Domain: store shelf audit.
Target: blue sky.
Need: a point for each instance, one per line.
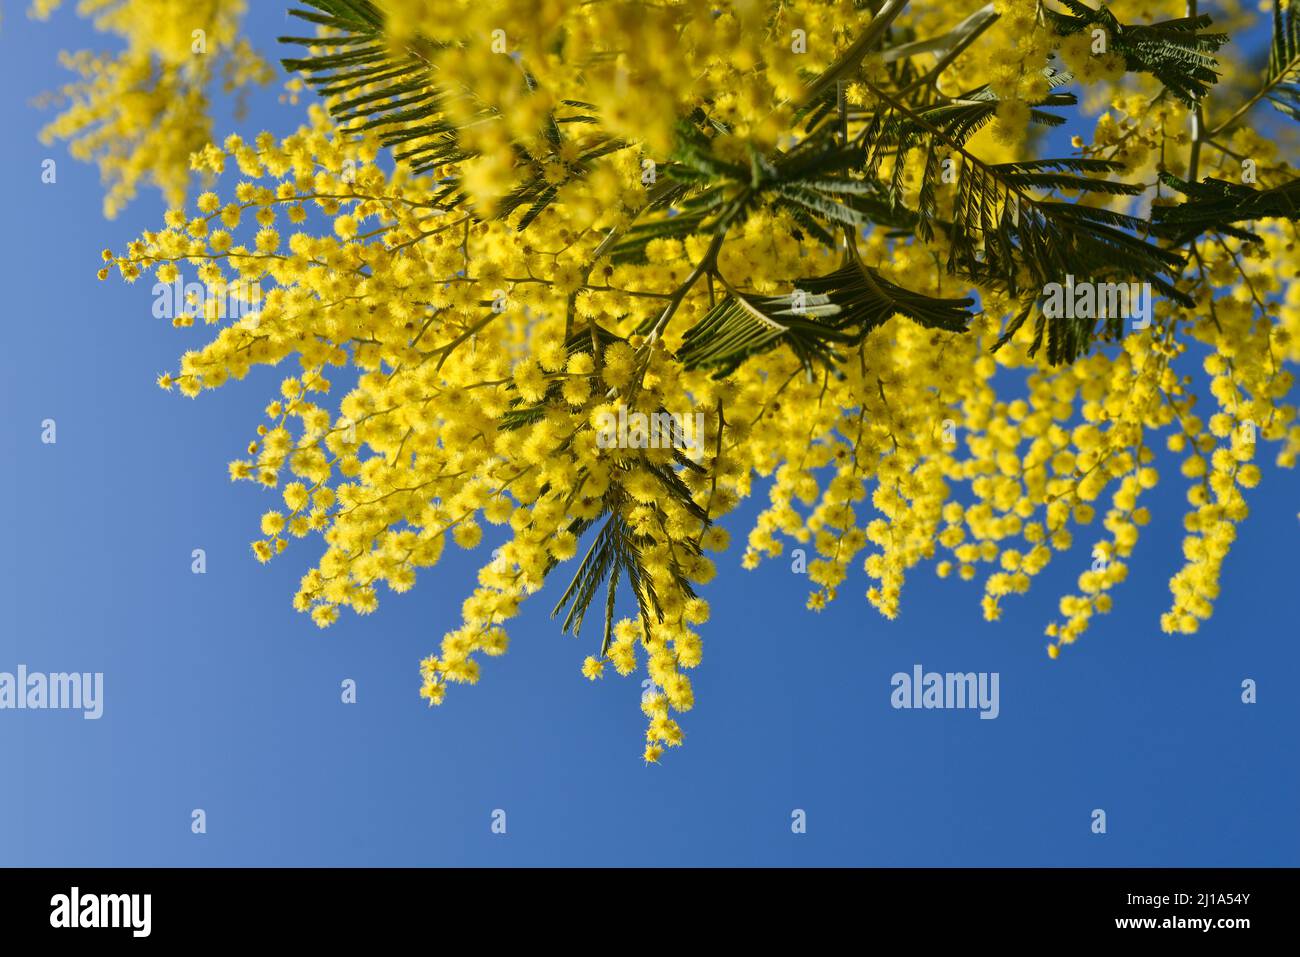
(219, 696)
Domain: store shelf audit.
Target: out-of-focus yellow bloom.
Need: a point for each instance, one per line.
(140, 114)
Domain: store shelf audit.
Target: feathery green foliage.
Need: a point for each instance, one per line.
(1176, 52)
(1282, 82)
(1214, 205)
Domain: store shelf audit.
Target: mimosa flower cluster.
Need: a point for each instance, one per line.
(449, 356)
(141, 113)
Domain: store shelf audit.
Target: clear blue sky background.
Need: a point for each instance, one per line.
(219, 696)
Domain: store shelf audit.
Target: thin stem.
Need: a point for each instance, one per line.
(1197, 120)
(855, 53)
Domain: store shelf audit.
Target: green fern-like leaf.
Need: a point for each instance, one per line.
(1176, 52)
(1282, 82)
(1216, 205)
(1004, 233)
(837, 309)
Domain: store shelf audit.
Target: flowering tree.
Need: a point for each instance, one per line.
(838, 249)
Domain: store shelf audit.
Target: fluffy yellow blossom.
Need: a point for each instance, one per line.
(581, 309)
(142, 114)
